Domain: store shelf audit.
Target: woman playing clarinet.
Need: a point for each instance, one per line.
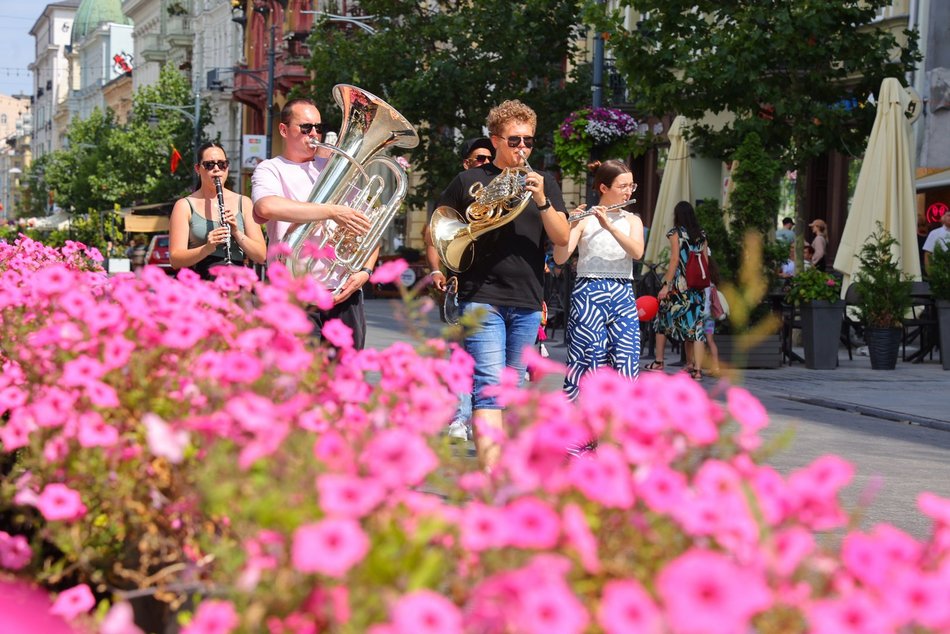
(214, 226)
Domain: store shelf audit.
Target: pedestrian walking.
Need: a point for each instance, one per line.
(681, 316)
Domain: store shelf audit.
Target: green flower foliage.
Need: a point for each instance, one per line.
(813, 285)
(939, 274)
(883, 288)
(608, 132)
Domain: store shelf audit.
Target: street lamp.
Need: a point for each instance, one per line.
(355, 20)
(194, 118)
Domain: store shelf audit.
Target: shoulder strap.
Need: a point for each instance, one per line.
(190, 206)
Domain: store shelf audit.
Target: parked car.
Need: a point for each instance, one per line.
(158, 253)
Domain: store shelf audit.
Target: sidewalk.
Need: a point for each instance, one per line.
(917, 393)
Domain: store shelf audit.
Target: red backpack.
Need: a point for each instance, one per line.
(697, 267)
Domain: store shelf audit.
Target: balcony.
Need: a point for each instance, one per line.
(179, 31)
(152, 48)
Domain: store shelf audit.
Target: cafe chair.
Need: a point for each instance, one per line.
(848, 324)
(921, 325)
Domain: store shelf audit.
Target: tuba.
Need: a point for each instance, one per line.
(496, 204)
(369, 126)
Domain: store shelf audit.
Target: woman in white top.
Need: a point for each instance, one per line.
(603, 325)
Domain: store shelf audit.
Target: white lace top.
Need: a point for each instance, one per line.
(599, 254)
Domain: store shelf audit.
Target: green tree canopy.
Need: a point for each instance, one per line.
(105, 164)
(444, 64)
(796, 72)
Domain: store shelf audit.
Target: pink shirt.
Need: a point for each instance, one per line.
(287, 179)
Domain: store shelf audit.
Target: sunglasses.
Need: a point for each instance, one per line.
(321, 128)
(515, 141)
(222, 165)
(478, 159)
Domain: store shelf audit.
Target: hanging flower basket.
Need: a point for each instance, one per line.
(610, 131)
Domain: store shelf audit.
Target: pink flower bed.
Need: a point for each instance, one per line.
(187, 437)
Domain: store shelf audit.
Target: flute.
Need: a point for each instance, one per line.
(590, 212)
(220, 191)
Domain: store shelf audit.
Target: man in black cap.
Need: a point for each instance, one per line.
(786, 233)
(475, 152)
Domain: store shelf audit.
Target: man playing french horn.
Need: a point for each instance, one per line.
(280, 187)
(505, 279)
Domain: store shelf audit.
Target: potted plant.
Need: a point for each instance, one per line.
(818, 294)
(609, 130)
(939, 275)
(883, 298)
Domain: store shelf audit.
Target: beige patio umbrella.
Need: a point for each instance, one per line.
(674, 187)
(885, 188)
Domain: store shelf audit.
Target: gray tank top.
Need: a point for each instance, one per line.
(201, 227)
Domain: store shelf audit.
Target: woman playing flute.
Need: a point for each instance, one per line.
(603, 326)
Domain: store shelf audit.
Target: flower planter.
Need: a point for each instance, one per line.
(943, 327)
(821, 332)
(883, 347)
(765, 354)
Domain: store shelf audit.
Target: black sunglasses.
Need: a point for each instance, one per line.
(209, 165)
(515, 141)
(321, 128)
(480, 158)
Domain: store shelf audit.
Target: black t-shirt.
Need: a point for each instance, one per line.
(509, 261)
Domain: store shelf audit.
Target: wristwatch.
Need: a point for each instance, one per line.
(546, 205)
(367, 270)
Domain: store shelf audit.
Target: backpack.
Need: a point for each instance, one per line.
(697, 267)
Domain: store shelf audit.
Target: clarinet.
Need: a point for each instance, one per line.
(220, 190)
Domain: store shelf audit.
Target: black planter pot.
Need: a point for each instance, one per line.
(943, 327)
(883, 346)
(821, 332)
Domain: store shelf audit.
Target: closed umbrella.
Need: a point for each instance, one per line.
(674, 187)
(885, 188)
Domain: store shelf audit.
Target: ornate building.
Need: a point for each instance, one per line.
(100, 52)
(52, 32)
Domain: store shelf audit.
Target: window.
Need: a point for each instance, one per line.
(3, 119)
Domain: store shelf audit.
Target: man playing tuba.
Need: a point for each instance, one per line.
(506, 277)
(279, 189)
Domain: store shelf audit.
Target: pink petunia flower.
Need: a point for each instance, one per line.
(330, 547)
(856, 613)
(337, 333)
(426, 612)
(750, 414)
(580, 537)
(95, 432)
(73, 602)
(388, 272)
(58, 502)
(163, 440)
(350, 496)
(399, 458)
(626, 608)
(15, 551)
(532, 524)
(703, 591)
(483, 527)
(213, 617)
(119, 620)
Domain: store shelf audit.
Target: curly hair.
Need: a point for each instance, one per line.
(507, 111)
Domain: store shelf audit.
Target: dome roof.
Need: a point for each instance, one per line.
(92, 13)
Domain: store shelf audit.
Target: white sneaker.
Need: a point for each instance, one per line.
(457, 430)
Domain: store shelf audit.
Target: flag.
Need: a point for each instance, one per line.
(176, 159)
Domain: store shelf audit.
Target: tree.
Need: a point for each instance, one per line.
(105, 164)
(796, 72)
(444, 64)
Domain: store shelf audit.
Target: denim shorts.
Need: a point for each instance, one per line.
(504, 332)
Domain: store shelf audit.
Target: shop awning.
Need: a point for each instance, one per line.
(934, 181)
(145, 224)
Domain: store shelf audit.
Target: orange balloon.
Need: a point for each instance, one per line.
(647, 307)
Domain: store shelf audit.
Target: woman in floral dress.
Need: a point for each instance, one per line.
(681, 316)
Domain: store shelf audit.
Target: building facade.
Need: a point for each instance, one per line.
(162, 34)
(52, 32)
(100, 50)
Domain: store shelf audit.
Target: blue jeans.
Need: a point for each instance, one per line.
(504, 332)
